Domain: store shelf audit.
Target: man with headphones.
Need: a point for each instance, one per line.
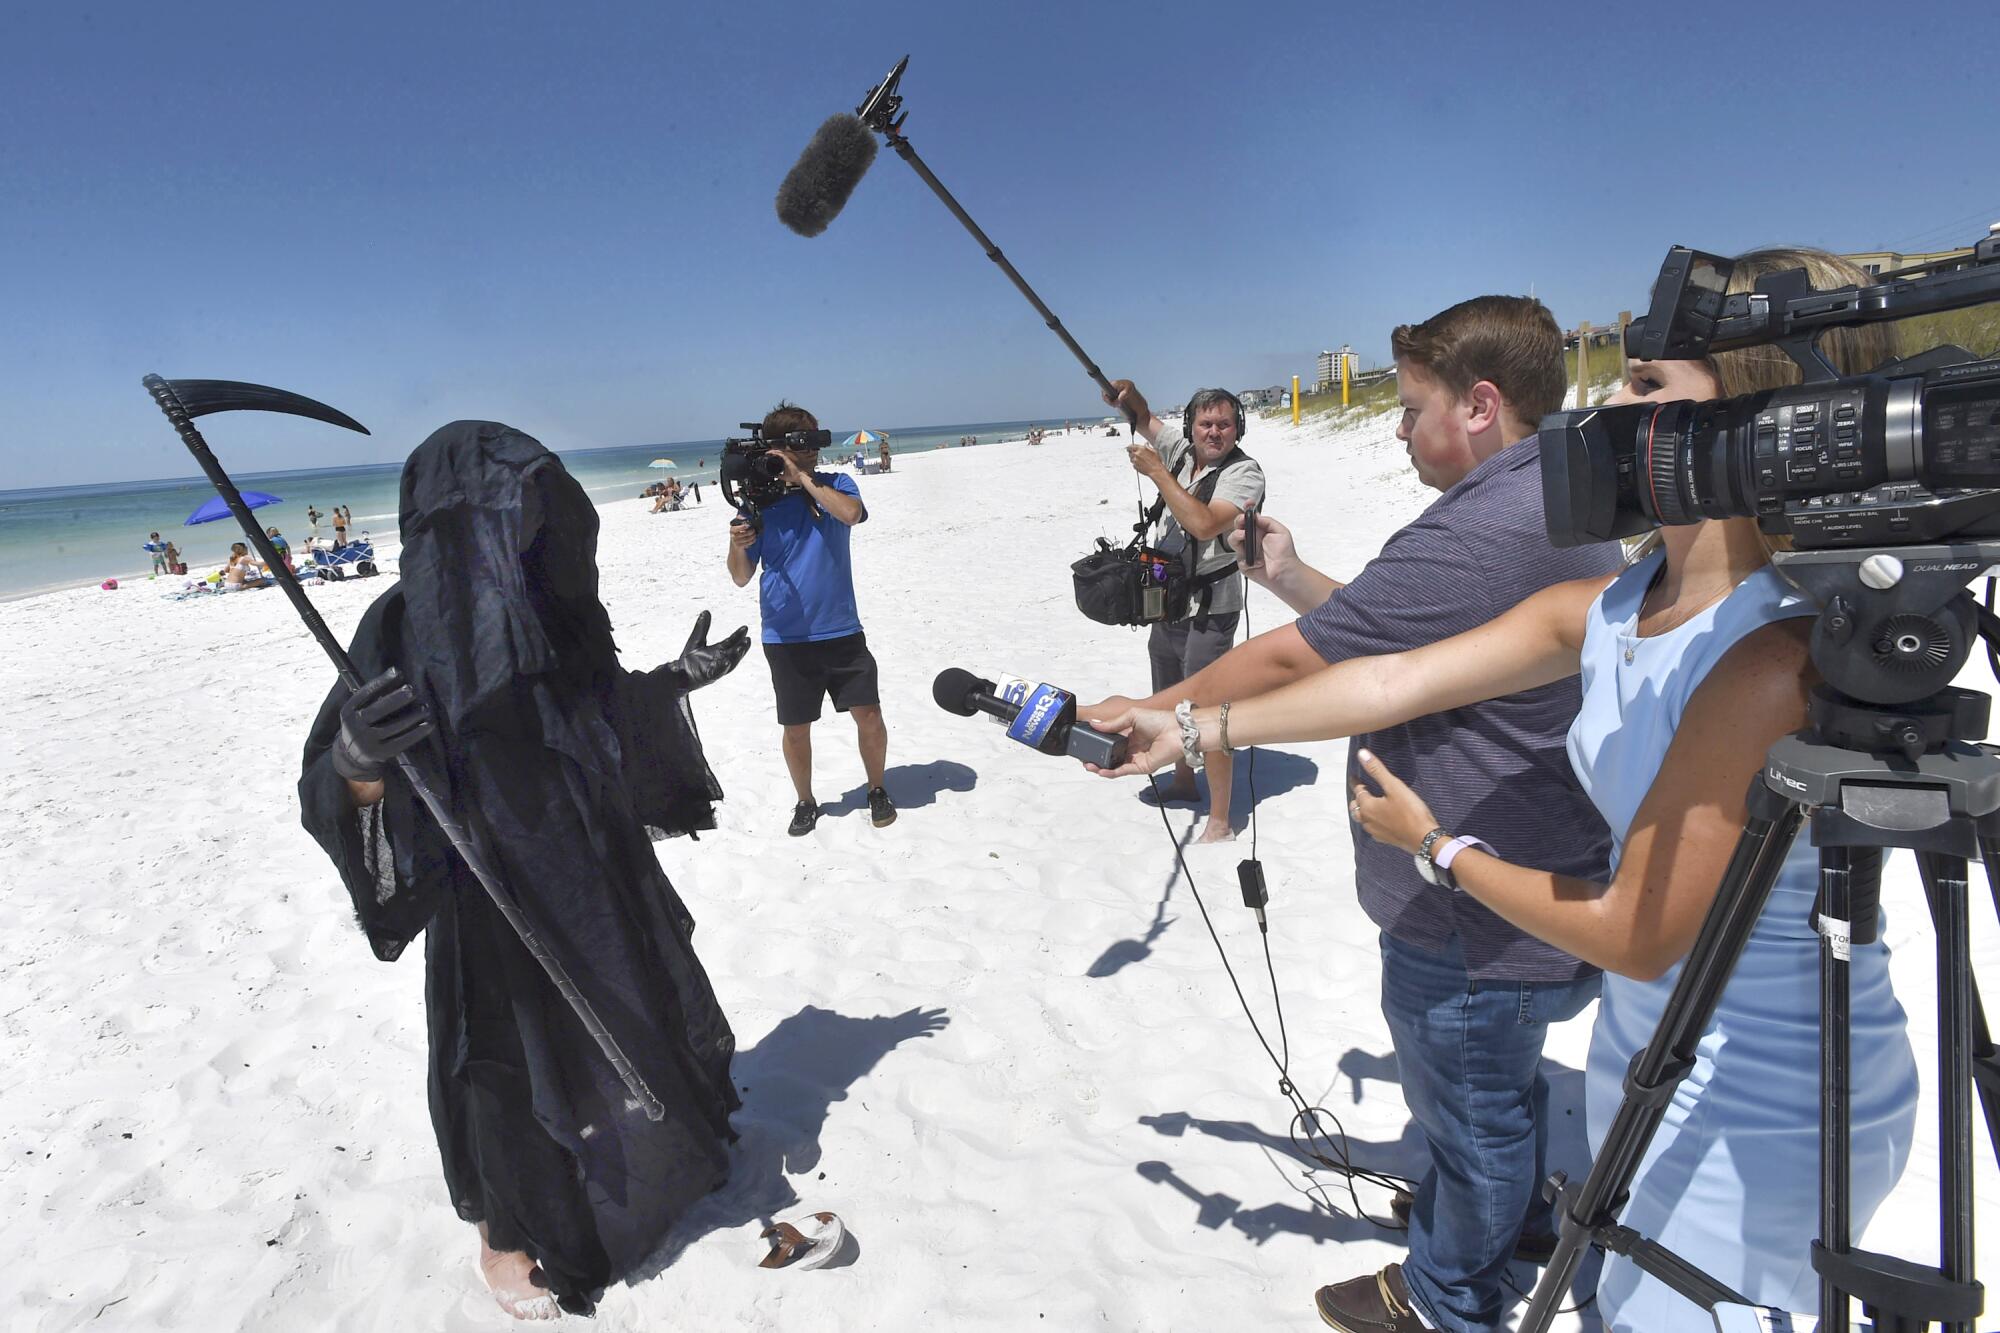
(1206, 482)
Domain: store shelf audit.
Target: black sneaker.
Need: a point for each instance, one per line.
(1535, 1251)
(804, 815)
(881, 811)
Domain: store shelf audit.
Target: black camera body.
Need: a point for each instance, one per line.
(1881, 459)
(752, 476)
(1907, 453)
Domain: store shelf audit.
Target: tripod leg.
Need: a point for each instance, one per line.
(1582, 1213)
(1850, 881)
(1987, 1088)
(1945, 885)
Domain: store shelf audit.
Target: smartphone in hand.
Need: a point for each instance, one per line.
(1252, 553)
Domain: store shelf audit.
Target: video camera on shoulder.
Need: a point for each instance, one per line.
(751, 475)
(1887, 484)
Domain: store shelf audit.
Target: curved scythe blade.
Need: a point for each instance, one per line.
(201, 397)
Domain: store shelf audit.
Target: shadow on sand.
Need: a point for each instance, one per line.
(1407, 1156)
(1310, 1216)
(1277, 772)
(910, 786)
(789, 1082)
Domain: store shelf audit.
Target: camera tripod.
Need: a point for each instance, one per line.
(1869, 777)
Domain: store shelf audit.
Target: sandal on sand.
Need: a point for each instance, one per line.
(813, 1244)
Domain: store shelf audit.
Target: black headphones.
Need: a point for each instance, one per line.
(1187, 415)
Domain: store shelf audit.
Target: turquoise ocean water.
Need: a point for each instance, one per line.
(72, 536)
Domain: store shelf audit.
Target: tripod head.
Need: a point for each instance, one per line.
(1896, 623)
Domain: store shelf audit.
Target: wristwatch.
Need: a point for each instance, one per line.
(1438, 851)
(1428, 868)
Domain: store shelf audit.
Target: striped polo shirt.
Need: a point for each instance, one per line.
(1496, 770)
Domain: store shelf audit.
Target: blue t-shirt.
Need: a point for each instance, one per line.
(806, 585)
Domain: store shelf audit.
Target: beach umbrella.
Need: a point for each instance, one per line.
(863, 437)
(219, 508)
(663, 462)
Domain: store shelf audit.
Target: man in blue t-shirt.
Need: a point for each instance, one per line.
(812, 631)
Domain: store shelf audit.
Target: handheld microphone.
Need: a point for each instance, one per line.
(1045, 718)
(819, 184)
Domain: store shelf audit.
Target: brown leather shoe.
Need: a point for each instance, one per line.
(1377, 1303)
(1534, 1251)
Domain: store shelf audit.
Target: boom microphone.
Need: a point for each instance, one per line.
(834, 162)
(1044, 718)
(825, 175)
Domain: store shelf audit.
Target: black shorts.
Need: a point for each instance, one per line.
(805, 673)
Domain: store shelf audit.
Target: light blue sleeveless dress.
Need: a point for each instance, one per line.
(1731, 1181)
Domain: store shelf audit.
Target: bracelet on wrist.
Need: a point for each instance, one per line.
(1191, 754)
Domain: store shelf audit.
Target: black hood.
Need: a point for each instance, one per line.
(499, 566)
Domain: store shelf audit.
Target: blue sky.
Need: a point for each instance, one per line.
(561, 216)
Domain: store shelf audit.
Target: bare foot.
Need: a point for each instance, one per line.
(516, 1282)
(1214, 832)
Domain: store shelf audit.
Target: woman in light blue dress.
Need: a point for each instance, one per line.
(1693, 661)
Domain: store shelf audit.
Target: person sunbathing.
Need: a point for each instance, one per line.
(242, 570)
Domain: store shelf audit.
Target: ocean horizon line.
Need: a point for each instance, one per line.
(143, 483)
(58, 537)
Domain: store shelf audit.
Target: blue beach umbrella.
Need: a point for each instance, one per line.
(862, 437)
(215, 508)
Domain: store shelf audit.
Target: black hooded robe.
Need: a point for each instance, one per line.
(558, 761)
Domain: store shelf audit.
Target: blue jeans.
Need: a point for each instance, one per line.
(1469, 1055)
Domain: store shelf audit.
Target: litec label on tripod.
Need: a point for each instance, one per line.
(1838, 934)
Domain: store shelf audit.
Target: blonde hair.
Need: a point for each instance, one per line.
(1852, 351)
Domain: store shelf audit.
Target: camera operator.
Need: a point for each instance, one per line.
(1693, 661)
(1221, 480)
(1468, 997)
(812, 629)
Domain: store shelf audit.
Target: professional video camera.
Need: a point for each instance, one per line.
(1907, 453)
(752, 477)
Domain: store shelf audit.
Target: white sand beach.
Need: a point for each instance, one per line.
(995, 1037)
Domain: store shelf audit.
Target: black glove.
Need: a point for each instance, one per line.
(378, 722)
(701, 662)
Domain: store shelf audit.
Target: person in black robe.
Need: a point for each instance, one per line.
(559, 762)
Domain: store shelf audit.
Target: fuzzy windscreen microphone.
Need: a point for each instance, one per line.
(825, 175)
